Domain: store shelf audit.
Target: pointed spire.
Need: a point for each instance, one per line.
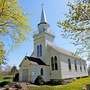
(43, 16)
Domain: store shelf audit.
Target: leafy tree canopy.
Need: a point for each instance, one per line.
(13, 23)
(76, 25)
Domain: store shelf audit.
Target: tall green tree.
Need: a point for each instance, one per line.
(13, 23)
(76, 25)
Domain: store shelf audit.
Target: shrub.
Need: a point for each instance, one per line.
(54, 82)
(16, 77)
(78, 77)
(39, 80)
(88, 86)
(7, 77)
(3, 83)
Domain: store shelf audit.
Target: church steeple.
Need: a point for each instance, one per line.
(43, 35)
(44, 27)
(43, 16)
(43, 24)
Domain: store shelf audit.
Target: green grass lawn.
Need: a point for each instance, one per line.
(75, 85)
(1, 77)
(5, 78)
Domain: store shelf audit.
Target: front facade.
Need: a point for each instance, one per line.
(48, 60)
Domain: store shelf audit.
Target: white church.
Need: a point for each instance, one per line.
(48, 60)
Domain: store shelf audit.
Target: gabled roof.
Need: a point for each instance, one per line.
(36, 60)
(61, 50)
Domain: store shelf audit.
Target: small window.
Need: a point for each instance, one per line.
(52, 63)
(84, 68)
(56, 66)
(37, 50)
(41, 71)
(80, 67)
(69, 64)
(40, 50)
(75, 62)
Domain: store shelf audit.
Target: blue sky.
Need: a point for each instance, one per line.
(55, 10)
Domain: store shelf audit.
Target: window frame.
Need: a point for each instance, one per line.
(84, 67)
(52, 63)
(69, 65)
(37, 50)
(75, 63)
(80, 66)
(56, 64)
(42, 72)
(40, 47)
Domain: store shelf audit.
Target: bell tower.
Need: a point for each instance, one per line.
(44, 27)
(40, 39)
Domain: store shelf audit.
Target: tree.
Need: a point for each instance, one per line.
(2, 53)
(13, 23)
(6, 69)
(14, 70)
(39, 80)
(76, 25)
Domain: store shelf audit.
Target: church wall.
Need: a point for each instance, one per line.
(63, 71)
(35, 72)
(46, 75)
(66, 73)
(55, 74)
(49, 37)
(23, 75)
(40, 39)
(20, 74)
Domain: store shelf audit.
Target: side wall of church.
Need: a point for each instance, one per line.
(54, 74)
(67, 73)
(63, 71)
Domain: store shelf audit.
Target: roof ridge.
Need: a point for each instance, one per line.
(61, 50)
(37, 60)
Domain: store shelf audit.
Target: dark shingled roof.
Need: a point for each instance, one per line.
(37, 60)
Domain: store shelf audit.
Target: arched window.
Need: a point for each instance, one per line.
(84, 68)
(75, 65)
(52, 63)
(80, 67)
(41, 71)
(40, 50)
(56, 66)
(69, 64)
